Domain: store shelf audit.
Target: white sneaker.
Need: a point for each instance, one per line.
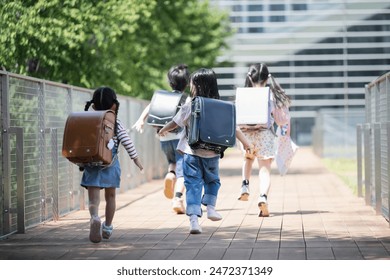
(263, 206)
(107, 231)
(212, 214)
(194, 225)
(178, 205)
(95, 231)
(169, 185)
(244, 194)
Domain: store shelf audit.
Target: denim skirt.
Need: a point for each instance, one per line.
(102, 177)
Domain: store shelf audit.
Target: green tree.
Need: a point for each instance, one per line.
(126, 44)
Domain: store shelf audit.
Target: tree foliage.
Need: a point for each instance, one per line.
(126, 44)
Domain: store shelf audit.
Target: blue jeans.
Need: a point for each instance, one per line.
(198, 173)
(173, 156)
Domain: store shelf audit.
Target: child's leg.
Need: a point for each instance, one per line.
(193, 181)
(169, 147)
(109, 195)
(178, 201)
(248, 162)
(246, 175)
(265, 175)
(179, 185)
(211, 187)
(247, 169)
(107, 228)
(94, 201)
(265, 183)
(95, 224)
(172, 168)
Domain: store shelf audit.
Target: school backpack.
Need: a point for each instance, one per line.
(212, 124)
(164, 106)
(253, 108)
(88, 137)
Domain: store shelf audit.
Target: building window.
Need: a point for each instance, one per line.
(237, 8)
(299, 7)
(255, 8)
(279, 17)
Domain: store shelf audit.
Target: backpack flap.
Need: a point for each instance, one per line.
(253, 107)
(217, 122)
(163, 107)
(86, 137)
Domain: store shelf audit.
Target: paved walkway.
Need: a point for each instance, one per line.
(314, 216)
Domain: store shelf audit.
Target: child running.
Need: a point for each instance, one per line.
(96, 178)
(262, 140)
(178, 77)
(200, 166)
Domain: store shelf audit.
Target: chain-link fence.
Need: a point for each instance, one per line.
(373, 147)
(37, 183)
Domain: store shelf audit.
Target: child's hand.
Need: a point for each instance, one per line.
(139, 164)
(250, 153)
(162, 132)
(139, 126)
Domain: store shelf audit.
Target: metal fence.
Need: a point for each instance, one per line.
(373, 149)
(37, 183)
(334, 132)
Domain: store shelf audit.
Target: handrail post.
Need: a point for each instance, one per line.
(367, 163)
(359, 160)
(20, 190)
(377, 168)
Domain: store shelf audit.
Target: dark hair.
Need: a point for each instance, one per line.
(204, 83)
(258, 73)
(103, 98)
(178, 77)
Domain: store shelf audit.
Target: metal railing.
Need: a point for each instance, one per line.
(37, 183)
(373, 147)
(334, 130)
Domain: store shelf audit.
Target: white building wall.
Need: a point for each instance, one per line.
(322, 52)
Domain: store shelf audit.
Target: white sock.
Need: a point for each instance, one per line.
(212, 213)
(193, 217)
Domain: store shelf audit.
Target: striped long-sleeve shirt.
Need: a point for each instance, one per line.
(124, 138)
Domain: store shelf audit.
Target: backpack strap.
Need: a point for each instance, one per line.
(269, 108)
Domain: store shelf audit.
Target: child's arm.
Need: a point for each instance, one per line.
(127, 143)
(241, 137)
(139, 124)
(139, 164)
(168, 127)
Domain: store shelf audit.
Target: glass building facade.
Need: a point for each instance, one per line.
(323, 52)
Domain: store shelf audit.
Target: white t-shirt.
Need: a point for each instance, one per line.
(170, 136)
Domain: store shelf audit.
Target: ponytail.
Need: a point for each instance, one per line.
(281, 98)
(87, 105)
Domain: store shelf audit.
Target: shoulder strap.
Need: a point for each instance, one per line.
(269, 108)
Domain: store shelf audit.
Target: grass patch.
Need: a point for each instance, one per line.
(345, 169)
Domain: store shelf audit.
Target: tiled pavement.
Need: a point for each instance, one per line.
(314, 216)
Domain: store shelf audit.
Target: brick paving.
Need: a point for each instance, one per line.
(314, 216)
